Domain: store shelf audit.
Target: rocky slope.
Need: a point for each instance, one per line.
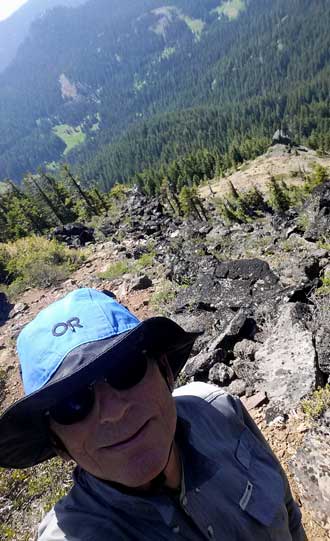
(260, 292)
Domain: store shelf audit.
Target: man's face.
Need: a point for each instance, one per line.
(127, 436)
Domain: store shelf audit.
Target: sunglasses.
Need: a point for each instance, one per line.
(77, 406)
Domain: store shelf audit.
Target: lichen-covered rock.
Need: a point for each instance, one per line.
(311, 469)
(221, 374)
(245, 349)
(237, 387)
(286, 362)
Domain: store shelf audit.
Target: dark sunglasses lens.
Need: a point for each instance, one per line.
(75, 408)
(122, 376)
(129, 373)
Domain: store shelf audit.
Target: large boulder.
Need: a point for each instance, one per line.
(217, 352)
(224, 301)
(251, 270)
(286, 362)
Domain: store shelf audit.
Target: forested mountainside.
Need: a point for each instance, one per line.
(122, 88)
(14, 30)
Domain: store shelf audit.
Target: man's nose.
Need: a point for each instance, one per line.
(111, 405)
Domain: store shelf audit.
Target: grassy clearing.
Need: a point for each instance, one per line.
(231, 8)
(72, 137)
(166, 14)
(124, 266)
(115, 270)
(167, 53)
(196, 26)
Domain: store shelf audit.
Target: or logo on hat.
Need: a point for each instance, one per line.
(61, 328)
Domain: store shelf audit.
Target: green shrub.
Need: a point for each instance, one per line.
(242, 207)
(146, 260)
(123, 266)
(318, 403)
(278, 195)
(303, 221)
(26, 490)
(36, 262)
(6, 532)
(190, 202)
(115, 270)
(319, 175)
(324, 289)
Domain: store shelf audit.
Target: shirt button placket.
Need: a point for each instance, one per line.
(210, 532)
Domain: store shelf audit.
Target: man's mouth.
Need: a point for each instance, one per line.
(131, 439)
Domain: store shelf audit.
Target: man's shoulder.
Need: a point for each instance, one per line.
(199, 389)
(210, 394)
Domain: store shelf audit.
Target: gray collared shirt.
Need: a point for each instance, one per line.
(234, 488)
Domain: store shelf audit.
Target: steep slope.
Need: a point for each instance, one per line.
(14, 30)
(157, 79)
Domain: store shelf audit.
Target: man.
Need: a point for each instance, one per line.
(149, 467)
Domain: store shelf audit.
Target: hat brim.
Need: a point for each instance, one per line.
(24, 432)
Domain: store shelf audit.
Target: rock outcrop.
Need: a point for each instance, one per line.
(74, 235)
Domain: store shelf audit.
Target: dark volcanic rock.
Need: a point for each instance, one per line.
(281, 138)
(322, 343)
(241, 326)
(318, 211)
(251, 270)
(5, 308)
(142, 282)
(75, 234)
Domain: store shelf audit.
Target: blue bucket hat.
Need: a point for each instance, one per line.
(69, 344)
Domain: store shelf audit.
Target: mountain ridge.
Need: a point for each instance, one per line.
(15, 28)
(247, 74)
